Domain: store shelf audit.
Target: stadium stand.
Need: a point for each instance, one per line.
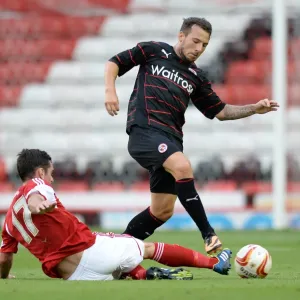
(52, 56)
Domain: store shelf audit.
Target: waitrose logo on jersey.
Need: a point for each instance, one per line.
(172, 75)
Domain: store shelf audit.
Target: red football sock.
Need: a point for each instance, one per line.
(176, 256)
(139, 273)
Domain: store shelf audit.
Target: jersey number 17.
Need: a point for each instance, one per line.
(21, 203)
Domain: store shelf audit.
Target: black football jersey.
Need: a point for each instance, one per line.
(164, 86)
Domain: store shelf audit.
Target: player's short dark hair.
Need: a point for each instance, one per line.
(201, 22)
(31, 159)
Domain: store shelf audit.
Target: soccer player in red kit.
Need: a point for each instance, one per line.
(68, 249)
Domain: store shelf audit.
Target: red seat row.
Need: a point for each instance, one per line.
(118, 5)
(262, 48)
(20, 50)
(258, 72)
(241, 94)
(9, 96)
(22, 73)
(47, 27)
(57, 7)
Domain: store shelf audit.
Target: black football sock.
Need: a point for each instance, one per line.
(191, 201)
(143, 225)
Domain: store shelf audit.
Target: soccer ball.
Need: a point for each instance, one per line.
(253, 261)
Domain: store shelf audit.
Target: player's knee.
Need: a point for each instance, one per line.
(183, 169)
(163, 213)
(149, 250)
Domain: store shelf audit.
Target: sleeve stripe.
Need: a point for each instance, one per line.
(131, 57)
(220, 102)
(142, 51)
(203, 97)
(45, 191)
(7, 230)
(119, 59)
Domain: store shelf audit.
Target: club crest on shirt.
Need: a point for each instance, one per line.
(162, 148)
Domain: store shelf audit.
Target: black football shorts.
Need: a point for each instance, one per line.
(150, 147)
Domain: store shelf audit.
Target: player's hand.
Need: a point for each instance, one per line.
(112, 103)
(45, 207)
(265, 106)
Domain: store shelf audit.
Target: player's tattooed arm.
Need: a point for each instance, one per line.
(234, 112)
(6, 260)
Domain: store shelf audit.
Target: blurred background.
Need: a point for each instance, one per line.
(52, 57)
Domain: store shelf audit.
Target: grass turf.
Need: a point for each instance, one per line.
(283, 281)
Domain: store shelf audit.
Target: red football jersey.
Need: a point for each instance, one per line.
(51, 236)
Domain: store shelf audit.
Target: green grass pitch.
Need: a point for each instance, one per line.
(283, 281)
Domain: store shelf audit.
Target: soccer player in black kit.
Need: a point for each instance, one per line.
(168, 79)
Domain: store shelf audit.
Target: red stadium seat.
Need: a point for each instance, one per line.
(51, 7)
(294, 71)
(293, 187)
(262, 49)
(119, 5)
(295, 46)
(21, 73)
(25, 6)
(72, 186)
(242, 94)
(48, 27)
(9, 96)
(258, 72)
(294, 92)
(36, 50)
(108, 187)
(249, 72)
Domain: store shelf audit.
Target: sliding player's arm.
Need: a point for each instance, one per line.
(9, 246)
(40, 197)
(38, 205)
(120, 64)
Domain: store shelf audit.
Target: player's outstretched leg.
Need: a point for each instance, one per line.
(176, 256)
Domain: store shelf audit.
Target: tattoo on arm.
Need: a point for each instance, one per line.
(234, 112)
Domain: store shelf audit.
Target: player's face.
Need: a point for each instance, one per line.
(47, 174)
(193, 44)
